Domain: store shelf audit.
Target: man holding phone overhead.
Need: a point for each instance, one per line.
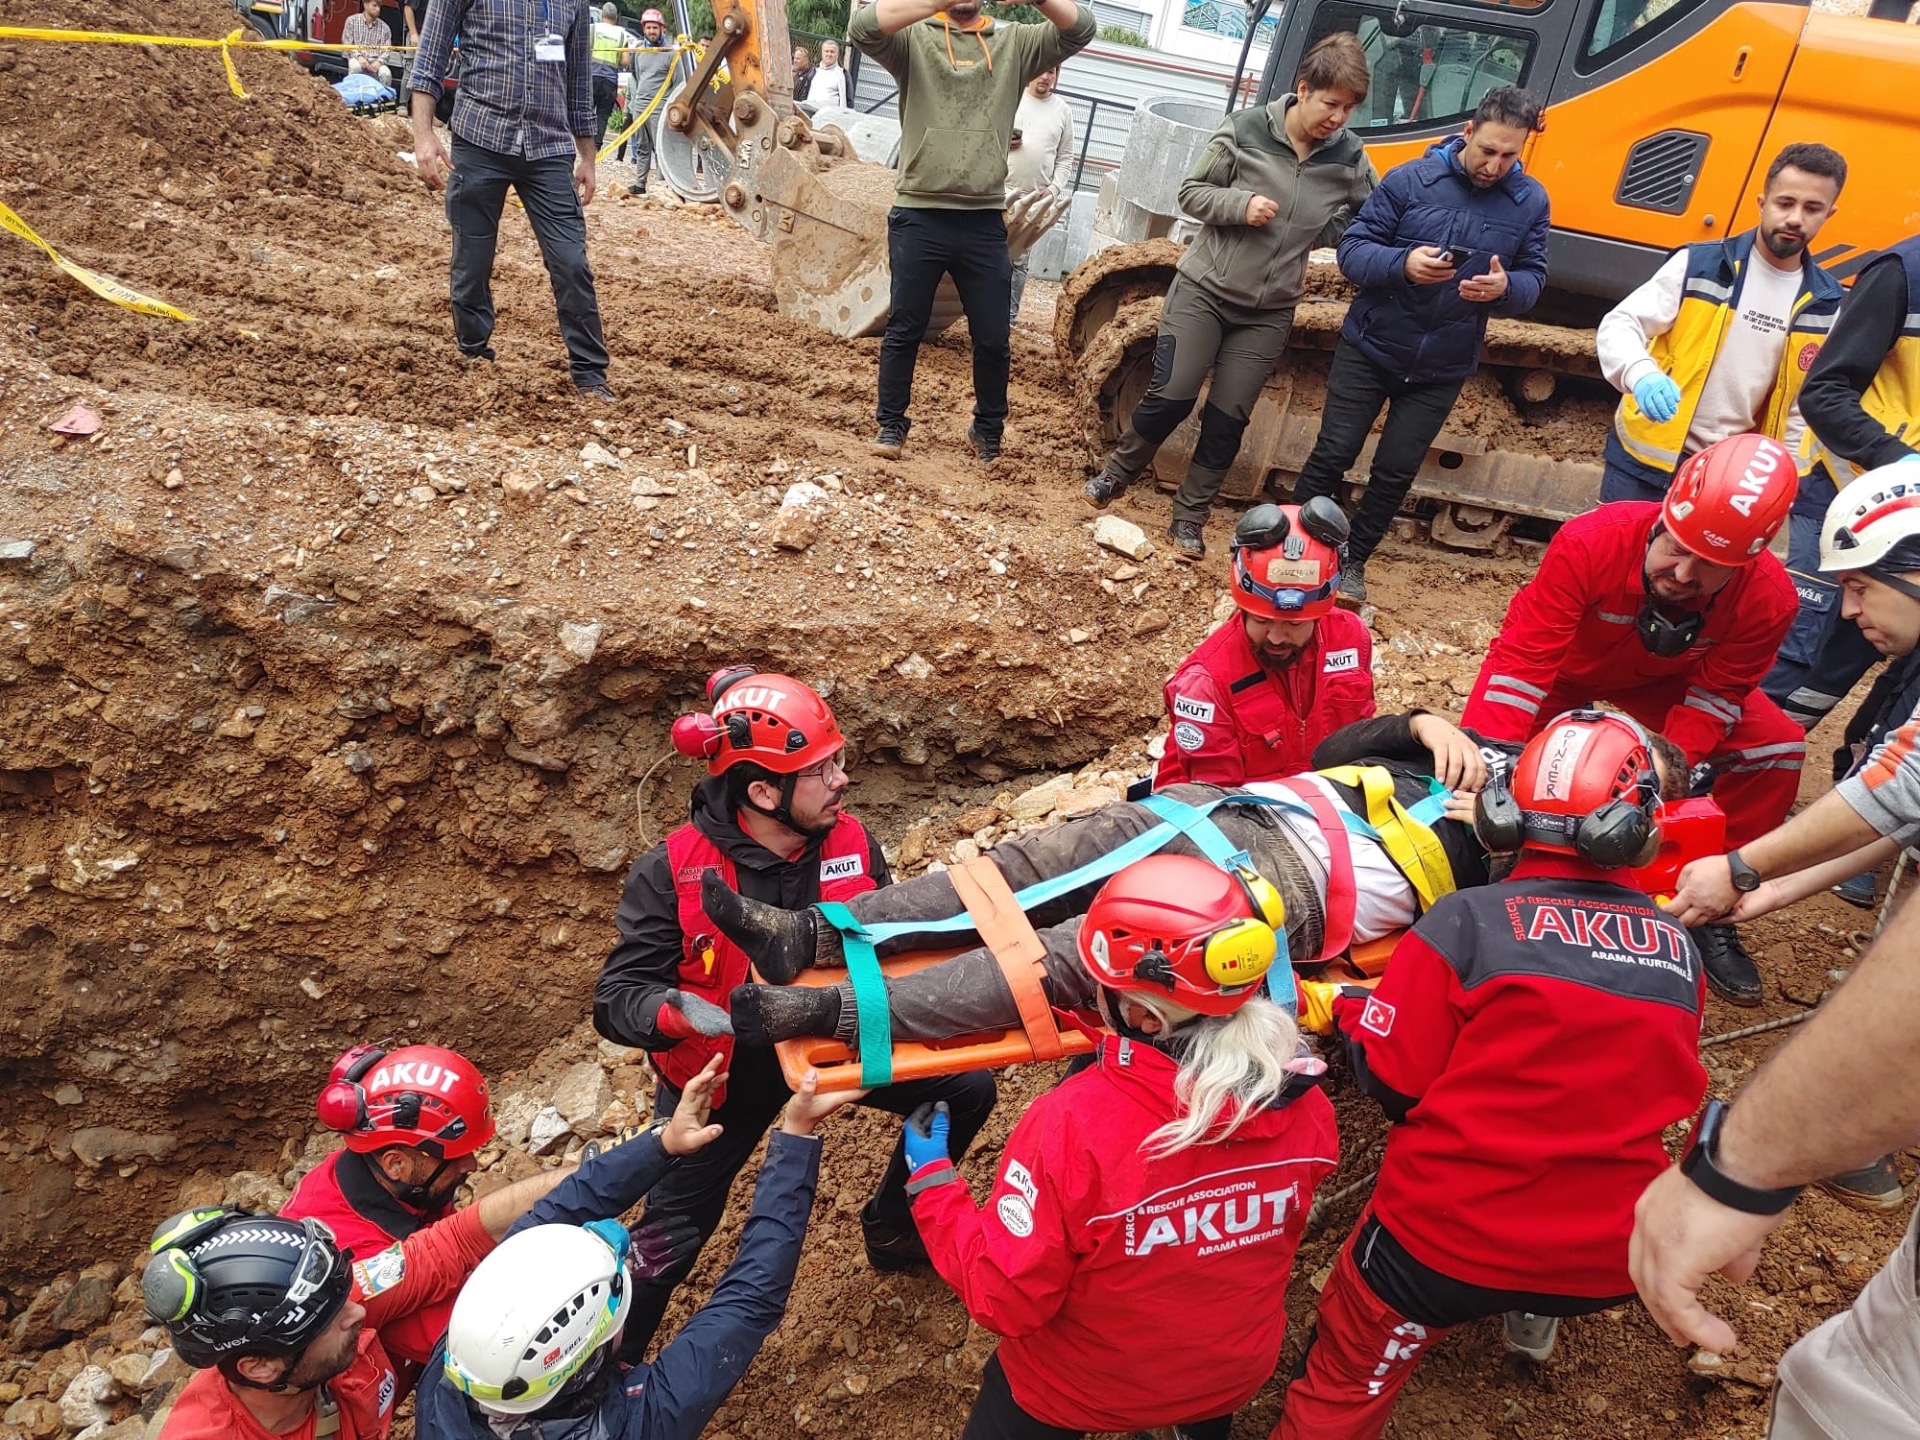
(1447, 241)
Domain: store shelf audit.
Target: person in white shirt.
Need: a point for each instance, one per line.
(1719, 341)
(1040, 156)
(829, 89)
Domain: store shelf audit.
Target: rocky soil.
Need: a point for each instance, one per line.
(335, 678)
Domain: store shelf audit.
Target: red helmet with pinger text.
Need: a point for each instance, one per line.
(772, 720)
(1584, 786)
(1182, 929)
(420, 1096)
(1286, 560)
(1728, 502)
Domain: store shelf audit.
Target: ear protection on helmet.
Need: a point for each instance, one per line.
(1620, 834)
(171, 1284)
(697, 736)
(1240, 953)
(342, 1105)
(1498, 821)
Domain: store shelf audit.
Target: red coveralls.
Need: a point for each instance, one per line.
(1232, 722)
(1537, 1036)
(365, 1219)
(1569, 640)
(1132, 1293)
(426, 1269)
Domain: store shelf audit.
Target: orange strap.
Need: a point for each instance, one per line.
(1003, 925)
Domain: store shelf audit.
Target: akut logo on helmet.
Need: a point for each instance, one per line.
(747, 697)
(415, 1075)
(1752, 484)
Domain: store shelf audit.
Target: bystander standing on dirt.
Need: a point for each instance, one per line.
(1039, 156)
(1230, 308)
(652, 60)
(960, 76)
(413, 1119)
(523, 119)
(768, 823)
(1500, 1194)
(1447, 242)
(1845, 1088)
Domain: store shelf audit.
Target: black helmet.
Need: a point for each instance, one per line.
(228, 1283)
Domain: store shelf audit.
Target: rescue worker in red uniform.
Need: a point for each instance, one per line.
(412, 1119)
(1673, 612)
(284, 1325)
(1532, 1039)
(1133, 1254)
(768, 823)
(1256, 696)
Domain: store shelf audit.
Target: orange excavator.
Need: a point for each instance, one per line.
(1662, 116)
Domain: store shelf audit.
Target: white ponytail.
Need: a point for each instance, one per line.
(1231, 1067)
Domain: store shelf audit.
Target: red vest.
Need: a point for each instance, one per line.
(1278, 722)
(710, 964)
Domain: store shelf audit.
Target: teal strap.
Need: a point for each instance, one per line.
(869, 996)
(1433, 807)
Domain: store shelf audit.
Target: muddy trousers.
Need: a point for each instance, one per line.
(998, 1416)
(1356, 390)
(968, 992)
(1199, 331)
(1381, 1311)
(698, 1184)
(476, 194)
(1824, 654)
(970, 245)
(1857, 1377)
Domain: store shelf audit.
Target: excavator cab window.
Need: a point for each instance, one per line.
(1432, 73)
(1620, 25)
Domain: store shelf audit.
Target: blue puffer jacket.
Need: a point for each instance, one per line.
(1426, 333)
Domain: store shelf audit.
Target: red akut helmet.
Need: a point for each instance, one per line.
(1726, 504)
(772, 720)
(1284, 566)
(1583, 786)
(1181, 929)
(419, 1096)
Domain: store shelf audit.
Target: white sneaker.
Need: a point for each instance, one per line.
(1531, 1335)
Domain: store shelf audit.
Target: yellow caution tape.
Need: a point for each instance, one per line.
(645, 115)
(104, 286)
(226, 45)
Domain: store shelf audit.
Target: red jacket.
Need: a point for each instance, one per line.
(1538, 1035)
(1570, 635)
(366, 1219)
(712, 965)
(1131, 1293)
(1232, 722)
(426, 1269)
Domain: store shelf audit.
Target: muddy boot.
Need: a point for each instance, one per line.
(1187, 544)
(780, 943)
(764, 1015)
(1106, 487)
(891, 440)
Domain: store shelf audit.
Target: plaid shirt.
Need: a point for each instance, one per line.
(509, 102)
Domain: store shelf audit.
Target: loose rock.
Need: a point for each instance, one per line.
(1123, 537)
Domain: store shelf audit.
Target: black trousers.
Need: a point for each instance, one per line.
(1429, 1297)
(606, 95)
(697, 1185)
(476, 194)
(971, 246)
(997, 1416)
(1356, 389)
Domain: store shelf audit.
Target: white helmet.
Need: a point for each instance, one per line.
(534, 1312)
(1874, 524)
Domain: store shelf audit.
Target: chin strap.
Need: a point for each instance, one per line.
(783, 812)
(1896, 582)
(416, 1197)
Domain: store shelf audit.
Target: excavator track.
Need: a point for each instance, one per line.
(1524, 439)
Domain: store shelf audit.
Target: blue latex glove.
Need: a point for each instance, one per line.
(1657, 396)
(928, 1163)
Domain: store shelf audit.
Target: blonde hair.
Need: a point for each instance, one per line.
(1231, 1067)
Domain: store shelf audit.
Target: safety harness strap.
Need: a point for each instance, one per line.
(1005, 929)
(869, 995)
(1409, 842)
(1343, 890)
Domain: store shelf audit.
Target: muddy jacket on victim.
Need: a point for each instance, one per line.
(1100, 1268)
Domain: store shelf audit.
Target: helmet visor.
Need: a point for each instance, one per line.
(1286, 597)
(320, 1280)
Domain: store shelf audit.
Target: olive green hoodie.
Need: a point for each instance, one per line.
(959, 89)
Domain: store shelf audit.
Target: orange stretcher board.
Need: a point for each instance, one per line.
(839, 1067)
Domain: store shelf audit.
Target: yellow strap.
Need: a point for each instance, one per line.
(1414, 849)
(106, 287)
(665, 85)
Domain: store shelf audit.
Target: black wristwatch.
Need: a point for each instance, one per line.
(1746, 879)
(1699, 1166)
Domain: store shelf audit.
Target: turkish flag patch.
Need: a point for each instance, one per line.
(1377, 1017)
